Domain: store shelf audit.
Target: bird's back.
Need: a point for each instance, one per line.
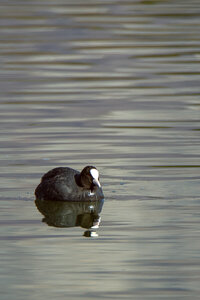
(62, 172)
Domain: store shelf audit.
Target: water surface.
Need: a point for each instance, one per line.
(116, 85)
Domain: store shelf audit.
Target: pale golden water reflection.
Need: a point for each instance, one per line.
(116, 85)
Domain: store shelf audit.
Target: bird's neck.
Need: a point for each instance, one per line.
(78, 179)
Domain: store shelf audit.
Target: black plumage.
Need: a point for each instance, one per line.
(67, 184)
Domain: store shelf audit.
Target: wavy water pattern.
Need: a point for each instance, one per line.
(114, 84)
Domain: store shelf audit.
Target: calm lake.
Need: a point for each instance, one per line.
(114, 84)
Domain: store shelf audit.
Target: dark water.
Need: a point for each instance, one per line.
(115, 84)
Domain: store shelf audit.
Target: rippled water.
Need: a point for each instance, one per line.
(114, 84)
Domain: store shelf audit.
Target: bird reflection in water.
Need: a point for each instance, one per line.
(71, 214)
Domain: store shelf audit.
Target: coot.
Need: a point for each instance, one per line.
(66, 184)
